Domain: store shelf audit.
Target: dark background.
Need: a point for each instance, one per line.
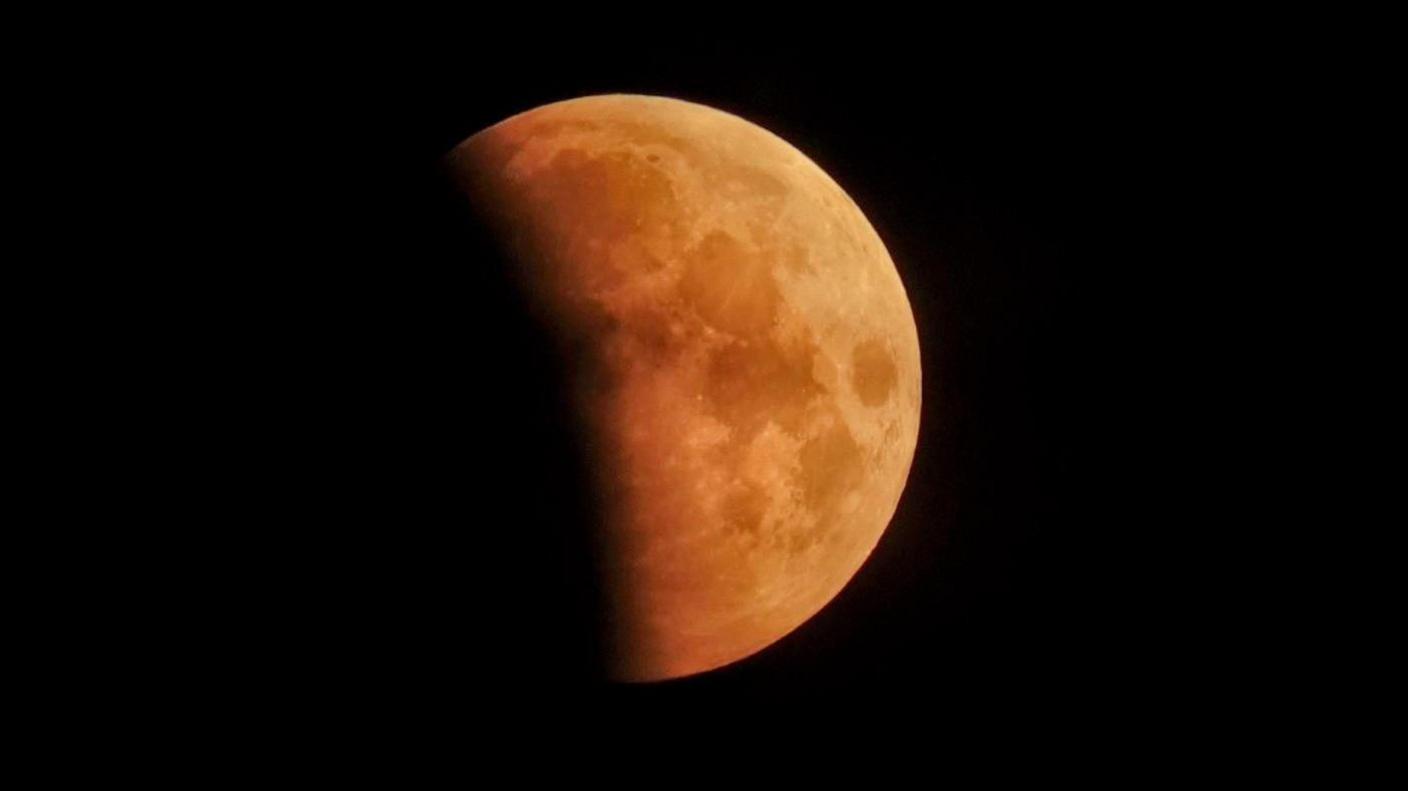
(1023, 186)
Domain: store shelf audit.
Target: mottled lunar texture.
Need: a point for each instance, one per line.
(746, 362)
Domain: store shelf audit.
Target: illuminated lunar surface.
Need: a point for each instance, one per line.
(745, 362)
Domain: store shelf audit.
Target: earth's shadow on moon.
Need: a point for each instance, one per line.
(506, 470)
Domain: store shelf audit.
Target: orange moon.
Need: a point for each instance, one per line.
(743, 354)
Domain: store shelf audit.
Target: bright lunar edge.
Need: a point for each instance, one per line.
(742, 355)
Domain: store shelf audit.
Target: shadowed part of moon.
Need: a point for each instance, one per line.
(743, 357)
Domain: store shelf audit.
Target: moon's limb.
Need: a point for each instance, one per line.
(750, 361)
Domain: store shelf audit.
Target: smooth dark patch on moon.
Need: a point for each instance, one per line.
(750, 385)
(730, 288)
(873, 373)
(832, 466)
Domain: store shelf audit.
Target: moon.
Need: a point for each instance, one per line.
(744, 360)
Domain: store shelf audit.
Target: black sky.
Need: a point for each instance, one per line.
(1016, 184)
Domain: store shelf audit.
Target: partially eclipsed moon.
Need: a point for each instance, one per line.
(747, 362)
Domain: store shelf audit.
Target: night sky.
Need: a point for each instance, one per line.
(1009, 181)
